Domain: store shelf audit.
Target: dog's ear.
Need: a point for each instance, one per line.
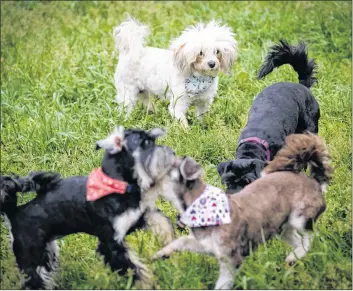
(228, 47)
(190, 169)
(157, 132)
(258, 166)
(114, 142)
(224, 167)
(180, 58)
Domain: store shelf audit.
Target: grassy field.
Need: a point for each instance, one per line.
(57, 99)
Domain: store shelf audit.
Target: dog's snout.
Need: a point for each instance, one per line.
(211, 64)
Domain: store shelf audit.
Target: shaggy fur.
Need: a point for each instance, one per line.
(285, 201)
(61, 208)
(198, 55)
(279, 110)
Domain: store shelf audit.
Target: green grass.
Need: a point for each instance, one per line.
(57, 99)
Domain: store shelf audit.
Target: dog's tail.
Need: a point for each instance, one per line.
(296, 56)
(129, 37)
(303, 151)
(39, 182)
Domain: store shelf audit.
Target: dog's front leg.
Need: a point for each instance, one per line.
(202, 107)
(185, 243)
(160, 225)
(178, 107)
(226, 274)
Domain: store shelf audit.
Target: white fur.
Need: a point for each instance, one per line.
(324, 187)
(227, 273)
(297, 221)
(299, 243)
(53, 255)
(145, 70)
(110, 143)
(46, 276)
(123, 222)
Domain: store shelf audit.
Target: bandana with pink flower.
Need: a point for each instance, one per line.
(211, 208)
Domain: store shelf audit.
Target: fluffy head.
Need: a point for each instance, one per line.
(239, 173)
(205, 49)
(120, 146)
(184, 180)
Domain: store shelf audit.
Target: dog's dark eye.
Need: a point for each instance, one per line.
(148, 142)
(200, 53)
(217, 52)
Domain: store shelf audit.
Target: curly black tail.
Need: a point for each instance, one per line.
(39, 182)
(296, 56)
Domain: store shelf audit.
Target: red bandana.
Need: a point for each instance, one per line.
(100, 185)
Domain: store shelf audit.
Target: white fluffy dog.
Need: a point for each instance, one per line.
(186, 73)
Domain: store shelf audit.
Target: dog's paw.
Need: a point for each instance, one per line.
(291, 259)
(160, 255)
(145, 279)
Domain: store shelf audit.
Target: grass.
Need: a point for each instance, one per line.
(57, 99)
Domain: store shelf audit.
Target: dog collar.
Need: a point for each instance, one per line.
(100, 185)
(210, 208)
(198, 84)
(257, 140)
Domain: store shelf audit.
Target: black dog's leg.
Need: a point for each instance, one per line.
(36, 262)
(121, 258)
(104, 252)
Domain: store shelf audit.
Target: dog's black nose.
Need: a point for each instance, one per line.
(211, 64)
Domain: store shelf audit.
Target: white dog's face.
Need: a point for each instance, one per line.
(208, 62)
(205, 50)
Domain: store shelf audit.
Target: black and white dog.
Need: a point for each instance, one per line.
(279, 110)
(110, 203)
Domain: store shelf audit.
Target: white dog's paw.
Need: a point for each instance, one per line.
(161, 254)
(291, 259)
(184, 123)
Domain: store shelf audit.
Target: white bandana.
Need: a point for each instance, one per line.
(211, 208)
(196, 85)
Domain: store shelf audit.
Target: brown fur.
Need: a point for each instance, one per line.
(198, 59)
(284, 201)
(299, 149)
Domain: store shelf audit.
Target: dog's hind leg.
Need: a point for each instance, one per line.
(299, 242)
(31, 259)
(50, 264)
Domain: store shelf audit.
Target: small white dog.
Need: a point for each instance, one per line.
(187, 73)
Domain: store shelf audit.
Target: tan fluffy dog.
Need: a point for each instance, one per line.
(283, 201)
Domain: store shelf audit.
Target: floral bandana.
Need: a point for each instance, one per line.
(100, 185)
(197, 85)
(211, 208)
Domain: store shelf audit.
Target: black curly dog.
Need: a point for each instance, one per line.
(60, 208)
(279, 110)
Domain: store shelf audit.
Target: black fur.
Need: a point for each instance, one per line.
(279, 110)
(60, 209)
